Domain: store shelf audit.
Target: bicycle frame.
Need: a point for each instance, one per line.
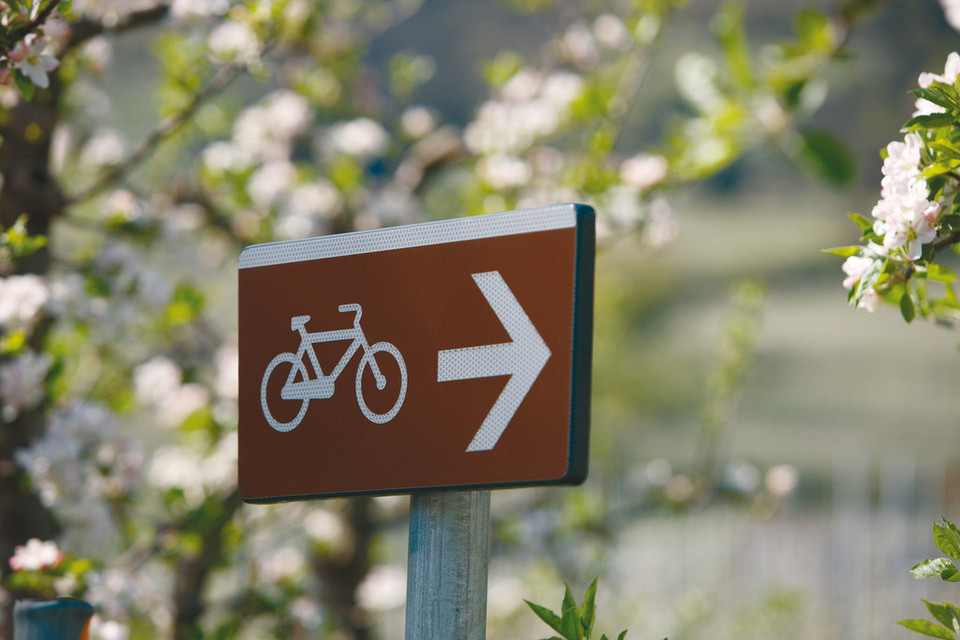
(322, 386)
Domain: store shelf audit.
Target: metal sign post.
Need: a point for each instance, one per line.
(447, 565)
(441, 359)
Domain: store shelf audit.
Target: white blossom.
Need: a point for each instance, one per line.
(362, 138)
(951, 11)
(106, 148)
(29, 57)
(280, 564)
(610, 32)
(644, 171)
(533, 107)
(781, 480)
(384, 588)
(270, 182)
(306, 612)
(157, 381)
(417, 121)
(660, 226)
(905, 216)
(503, 171)
(621, 210)
(122, 203)
(97, 52)
(183, 403)
(109, 630)
(389, 206)
(326, 528)
(22, 382)
(234, 41)
(697, 77)
(178, 467)
(950, 72)
(188, 10)
(579, 46)
(81, 461)
(22, 300)
(318, 197)
(226, 157)
(228, 370)
(267, 129)
(36, 555)
(855, 267)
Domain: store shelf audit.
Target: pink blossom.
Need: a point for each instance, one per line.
(28, 57)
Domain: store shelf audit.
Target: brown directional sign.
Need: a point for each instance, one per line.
(444, 354)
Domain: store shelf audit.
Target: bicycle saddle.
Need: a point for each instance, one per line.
(297, 322)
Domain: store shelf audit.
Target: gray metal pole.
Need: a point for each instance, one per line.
(447, 565)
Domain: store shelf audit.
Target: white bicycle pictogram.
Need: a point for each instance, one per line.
(321, 386)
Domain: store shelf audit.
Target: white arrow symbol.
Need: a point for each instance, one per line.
(522, 359)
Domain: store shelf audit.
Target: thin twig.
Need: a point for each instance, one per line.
(36, 23)
(950, 239)
(220, 80)
(86, 29)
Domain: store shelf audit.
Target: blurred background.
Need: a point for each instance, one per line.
(766, 460)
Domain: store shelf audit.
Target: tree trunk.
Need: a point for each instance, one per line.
(341, 574)
(27, 188)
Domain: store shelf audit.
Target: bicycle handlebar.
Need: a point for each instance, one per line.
(353, 306)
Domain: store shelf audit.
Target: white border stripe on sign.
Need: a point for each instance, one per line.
(493, 225)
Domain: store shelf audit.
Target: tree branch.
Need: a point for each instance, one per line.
(945, 241)
(33, 25)
(84, 30)
(220, 80)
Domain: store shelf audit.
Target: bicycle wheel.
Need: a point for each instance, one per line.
(286, 358)
(369, 358)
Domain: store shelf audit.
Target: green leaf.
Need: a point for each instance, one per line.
(950, 222)
(939, 168)
(408, 72)
(940, 273)
(570, 625)
(568, 601)
(927, 628)
(935, 95)
(826, 157)
(946, 614)
(25, 85)
(867, 282)
(907, 310)
(947, 540)
(548, 616)
(815, 30)
(944, 147)
(729, 31)
(863, 222)
(933, 568)
(589, 607)
(502, 68)
(931, 121)
(843, 252)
